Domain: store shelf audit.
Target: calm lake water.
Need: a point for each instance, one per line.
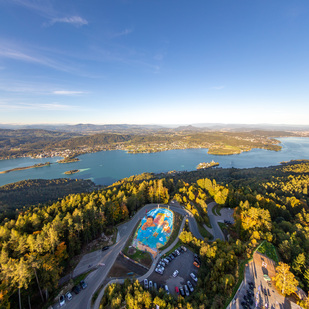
(107, 167)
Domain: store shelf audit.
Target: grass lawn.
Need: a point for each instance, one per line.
(179, 243)
(217, 210)
(141, 257)
(204, 232)
(269, 250)
(82, 276)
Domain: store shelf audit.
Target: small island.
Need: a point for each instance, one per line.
(71, 172)
(26, 167)
(68, 160)
(204, 165)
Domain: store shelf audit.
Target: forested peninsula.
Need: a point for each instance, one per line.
(270, 204)
(26, 167)
(42, 143)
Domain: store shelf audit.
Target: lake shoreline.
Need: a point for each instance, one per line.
(107, 167)
(26, 167)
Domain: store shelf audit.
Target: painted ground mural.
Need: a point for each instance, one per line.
(154, 230)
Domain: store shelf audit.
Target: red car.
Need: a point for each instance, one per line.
(177, 290)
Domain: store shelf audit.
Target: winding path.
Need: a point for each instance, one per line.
(104, 260)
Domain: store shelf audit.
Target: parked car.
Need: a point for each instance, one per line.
(76, 289)
(190, 286)
(105, 248)
(182, 292)
(196, 264)
(192, 275)
(61, 301)
(175, 273)
(186, 290)
(177, 252)
(166, 289)
(83, 284)
(177, 290)
(68, 295)
(150, 284)
(145, 283)
(155, 286)
(162, 264)
(184, 248)
(159, 270)
(196, 258)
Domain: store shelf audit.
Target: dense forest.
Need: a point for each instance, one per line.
(270, 204)
(35, 142)
(25, 193)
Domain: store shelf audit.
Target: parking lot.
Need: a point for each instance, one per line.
(263, 293)
(184, 264)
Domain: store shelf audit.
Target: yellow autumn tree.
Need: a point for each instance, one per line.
(284, 279)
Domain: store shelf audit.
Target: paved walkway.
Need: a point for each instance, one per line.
(149, 272)
(103, 261)
(226, 214)
(254, 272)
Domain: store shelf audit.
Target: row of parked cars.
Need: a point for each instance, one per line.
(150, 285)
(187, 288)
(76, 289)
(166, 260)
(197, 261)
(184, 291)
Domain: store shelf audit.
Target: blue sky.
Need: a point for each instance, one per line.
(154, 61)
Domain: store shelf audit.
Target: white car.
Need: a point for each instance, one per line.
(166, 289)
(190, 286)
(166, 261)
(150, 284)
(175, 273)
(193, 277)
(68, 295)
(186, 290)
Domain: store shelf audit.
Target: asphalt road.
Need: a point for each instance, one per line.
(97, 277)
(226, 214)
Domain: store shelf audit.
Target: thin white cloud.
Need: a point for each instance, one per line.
(32, 106)
(46, 9)
(13, 53)
(67, 92)
(73, 20)
(35, 88)
(21, 53)
(121, 33)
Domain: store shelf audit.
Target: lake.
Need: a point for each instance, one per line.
(106, 167)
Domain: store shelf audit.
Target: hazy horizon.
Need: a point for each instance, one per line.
(166, 125)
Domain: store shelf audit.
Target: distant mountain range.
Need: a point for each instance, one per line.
(129, 128)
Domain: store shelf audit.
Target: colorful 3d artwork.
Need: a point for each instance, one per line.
(154, 230)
